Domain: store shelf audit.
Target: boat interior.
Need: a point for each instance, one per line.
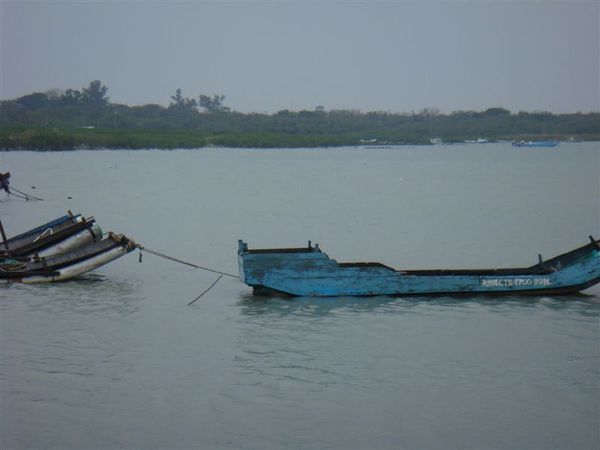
(541, 268)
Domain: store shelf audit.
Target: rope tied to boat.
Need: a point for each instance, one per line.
(206, 290)
(171, 258)
(186, 263)
(23, 195)
(45, 232)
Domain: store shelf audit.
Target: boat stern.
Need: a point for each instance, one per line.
(270, 268)
(242, 249)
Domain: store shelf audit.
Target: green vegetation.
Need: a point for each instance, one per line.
(86, 118)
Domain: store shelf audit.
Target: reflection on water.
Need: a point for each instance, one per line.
(115, 358)
(253, 305)
(324, 343)
(309, 306)
(90, 293)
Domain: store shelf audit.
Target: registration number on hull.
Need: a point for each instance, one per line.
(516, 282)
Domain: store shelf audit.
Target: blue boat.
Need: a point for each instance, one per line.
(308, 271)
(535, 143)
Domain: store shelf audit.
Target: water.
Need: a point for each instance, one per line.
(117, 359)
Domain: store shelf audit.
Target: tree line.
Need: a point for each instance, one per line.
(86, 118)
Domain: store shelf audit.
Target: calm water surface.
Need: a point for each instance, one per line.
(116, 359)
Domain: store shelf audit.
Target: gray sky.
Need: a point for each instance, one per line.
(265, 56)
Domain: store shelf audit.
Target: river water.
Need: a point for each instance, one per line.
(116, 359)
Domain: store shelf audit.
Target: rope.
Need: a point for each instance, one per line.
(162, 255)
(43, 234)
(26, 196)
(209, 288)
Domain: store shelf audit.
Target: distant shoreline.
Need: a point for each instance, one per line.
(86, 119)
(60, 139)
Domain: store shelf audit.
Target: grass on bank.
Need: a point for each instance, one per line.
(48, 139)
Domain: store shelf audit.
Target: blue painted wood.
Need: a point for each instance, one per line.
(41, 228)
(310, 272)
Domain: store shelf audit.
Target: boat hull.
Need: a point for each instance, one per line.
(75, 241)
(310, 272)
(77, 269)
(67, 265)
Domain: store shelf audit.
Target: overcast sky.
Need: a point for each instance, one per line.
(266, 56)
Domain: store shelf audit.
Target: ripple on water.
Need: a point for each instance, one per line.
(88, 294)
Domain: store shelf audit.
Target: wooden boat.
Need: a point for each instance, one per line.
(5, 181)
(308, 271)
(67, 265)
(57, 236)
(535, 143)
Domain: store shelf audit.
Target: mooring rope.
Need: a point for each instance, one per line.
(171, 258)
(206, 290)
(23, 194)
(24, 197)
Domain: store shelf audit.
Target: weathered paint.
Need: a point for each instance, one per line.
(88, 235)
(310, 272)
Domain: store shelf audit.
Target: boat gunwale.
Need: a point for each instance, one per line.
(57, 236)
(544, 267)
(41, 228)
(282, 250)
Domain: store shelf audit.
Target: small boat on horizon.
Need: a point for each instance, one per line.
(535, 143)
(309, 272)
